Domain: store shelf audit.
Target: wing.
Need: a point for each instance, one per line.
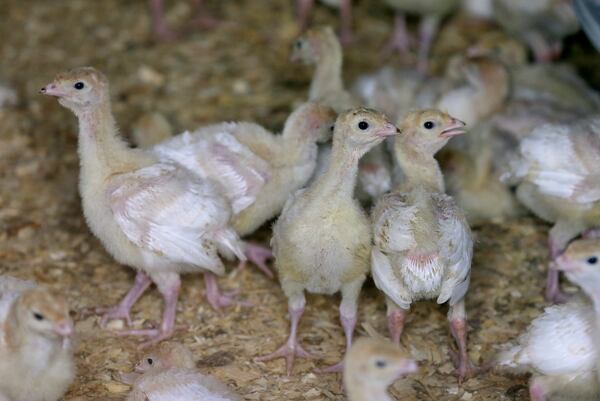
(392, 226)
(166, 210)
(456, 248)
(386, 280)
(562, 164)
(214, 152)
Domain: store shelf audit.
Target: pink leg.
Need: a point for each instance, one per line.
(304, 8)
(258, 255)
(396, 320)
(348, 323)
(159, 26)
(346, 22)
(458, 328)
(292, 347)
(170, 294)
(122, 311)
(400, 40)
(427, 30)
(203, 19)
(536, 391)
(217, 299)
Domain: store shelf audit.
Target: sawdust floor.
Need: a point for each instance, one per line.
(237, 71)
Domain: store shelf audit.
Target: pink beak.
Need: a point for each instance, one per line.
(408, 366)
(52, 90)
(562, 264)
(64, 328)
(388, 129)
(456, 127)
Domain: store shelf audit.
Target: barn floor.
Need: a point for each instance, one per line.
(238, 71)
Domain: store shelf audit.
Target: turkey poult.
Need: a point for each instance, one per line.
(256, 169)
(423, 244)
(320, 47)
(150, 214)
(557, 173)
(560, 347)
(36, 356)
(169, 374)
(371, 366)
(322, 239)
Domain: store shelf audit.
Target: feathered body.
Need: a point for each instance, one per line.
(559, 349)
(256, 169)
(557, 180)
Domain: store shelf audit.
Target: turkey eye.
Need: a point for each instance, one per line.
(380, 364)
(79, 85)
(592, 261)
(150, 361)
(298, 44)
(428, 125)
(363, 125)
(38, 316)
(332, 128)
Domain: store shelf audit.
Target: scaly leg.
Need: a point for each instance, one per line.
(304, 8)
(169, 285)
(258, 255)
(427, 31)
(346, 22)
(348, 312)
(217, 299)
(123, 310)
(292, 347)
(396, 318)
(458, 327)
(400, 40)
(159, 25)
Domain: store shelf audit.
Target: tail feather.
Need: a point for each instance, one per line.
(229, 242)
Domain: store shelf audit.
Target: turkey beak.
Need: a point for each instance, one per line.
(456, 127)
(52, 90)
(64, 328)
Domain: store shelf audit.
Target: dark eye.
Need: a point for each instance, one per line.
(592, 261)
(298, 44)
(428, 124)
(363, 125)
(332, 128)
(38, 316)
(150, 361)
(380, 364)
(79, 85)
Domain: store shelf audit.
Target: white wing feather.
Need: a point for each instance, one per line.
(165, 209)
(456, 248)
(214, 152)
(386, 280)
(392, 223)
(557, 167)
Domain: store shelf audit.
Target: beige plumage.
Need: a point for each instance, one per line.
(321, 241)
(371, 366)
(556, 173)
(423, 245)
(36, 356)
(150, 214)
(169, 374)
